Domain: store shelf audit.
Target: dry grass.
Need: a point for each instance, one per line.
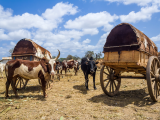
(69, 100)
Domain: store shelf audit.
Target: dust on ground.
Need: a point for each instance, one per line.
(69, 100)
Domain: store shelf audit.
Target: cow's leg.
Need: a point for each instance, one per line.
(13, 83)
(75, 69)
(2, 74)
(94, 86)
(65, 70)
(44, 87)
(86, 81)
(7, 86)
(41, 76)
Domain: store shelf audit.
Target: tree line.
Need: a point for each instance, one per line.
(87, 54)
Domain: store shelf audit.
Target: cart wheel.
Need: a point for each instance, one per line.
(110, 84)
(152, 76)
(20, 83)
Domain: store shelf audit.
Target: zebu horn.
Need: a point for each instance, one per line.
(57, 55)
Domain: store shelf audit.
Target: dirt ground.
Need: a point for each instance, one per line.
(69, 100)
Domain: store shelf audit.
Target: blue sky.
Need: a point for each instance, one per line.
(73, 26)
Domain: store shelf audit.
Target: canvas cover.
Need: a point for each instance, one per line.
(28, 47)
(125, 37)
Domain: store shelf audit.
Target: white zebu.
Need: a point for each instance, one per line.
(2, 67)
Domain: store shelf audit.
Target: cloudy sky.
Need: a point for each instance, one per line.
(73, 26)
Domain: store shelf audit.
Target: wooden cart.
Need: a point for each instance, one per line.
(26, 49)
(129, 50)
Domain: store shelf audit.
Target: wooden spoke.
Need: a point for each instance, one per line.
(152, 74)
(106, 80)
(17, 82)
(20, 83)
(111, 87)
(106, 73)
(107, 84)
(108, 69)
(114, 84)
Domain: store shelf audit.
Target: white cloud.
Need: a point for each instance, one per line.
(156, 38)
(138, 2)
(102, 40)
(48, 21)
(3, 36)
(19, 34)
(5, 13)
(59, 10)
(86, 41)
(92, 21)
(14, 35)
(144, 14)
(12, 43)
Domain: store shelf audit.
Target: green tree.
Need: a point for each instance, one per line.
(69, 57)
(53, 57)
(61, 59)
(76, 57)
(11, 51)
(99, 55)
(90, 54)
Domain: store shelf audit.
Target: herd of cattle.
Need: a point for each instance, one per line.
(44, 69)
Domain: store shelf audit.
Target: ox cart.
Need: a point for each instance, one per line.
(26, 49)
(129, 50)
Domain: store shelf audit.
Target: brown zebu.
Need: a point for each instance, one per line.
(65, 65)
(42, 69)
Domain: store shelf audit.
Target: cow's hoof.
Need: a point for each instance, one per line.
(7, 96)
(95, 88)
(45, 96)
(87, 88)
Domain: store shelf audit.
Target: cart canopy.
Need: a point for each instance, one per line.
(125, 37)
(28, 47)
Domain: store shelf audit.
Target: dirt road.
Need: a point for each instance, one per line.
(69, 100)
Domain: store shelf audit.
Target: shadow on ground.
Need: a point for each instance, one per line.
(124, 98)
(81, 88)
(33, 90)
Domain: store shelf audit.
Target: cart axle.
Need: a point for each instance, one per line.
(132, 77)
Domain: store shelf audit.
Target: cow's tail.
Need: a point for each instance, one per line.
(6, 70)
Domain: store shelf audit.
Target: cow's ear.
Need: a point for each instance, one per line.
(97, 62)
(86, 63)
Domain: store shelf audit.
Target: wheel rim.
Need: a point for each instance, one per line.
(152, 75)
(109, 82)
(20, 83)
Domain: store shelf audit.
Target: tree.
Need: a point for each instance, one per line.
(90, 54)
(53, 57)
(76, 57)
(69, 57)
(11, 51)
(99, 55)
(61, 59)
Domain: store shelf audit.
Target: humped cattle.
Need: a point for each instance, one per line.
(2, 67)
(42, 70)
(65, 65)
(88, 66)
